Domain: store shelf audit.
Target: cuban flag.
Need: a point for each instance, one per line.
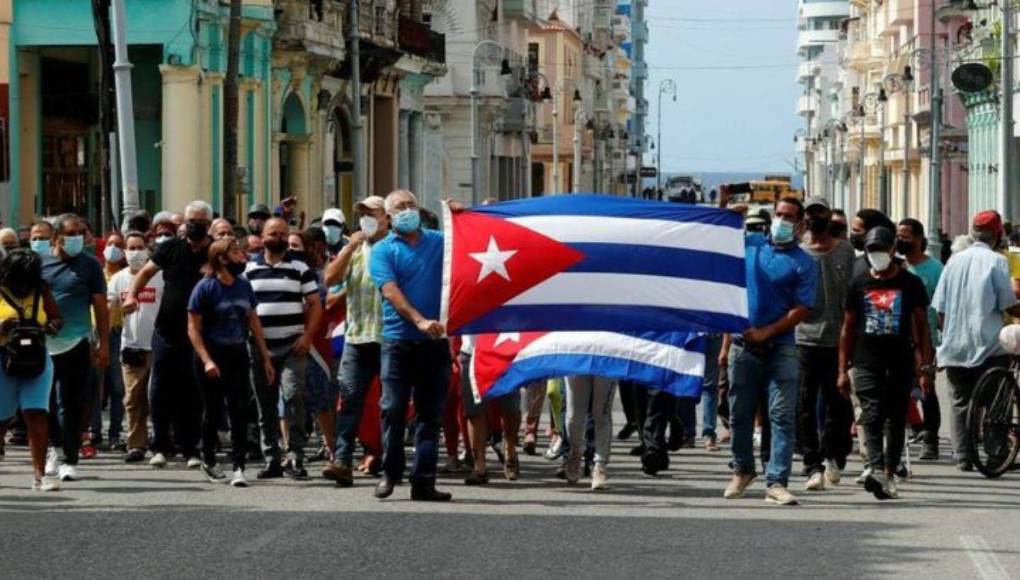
(674, 361)
(593, 263)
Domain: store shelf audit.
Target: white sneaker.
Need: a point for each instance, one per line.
(68, 473)
(816, 482)
(194, 463)
(863, 476)
(52, 461)
(158, 461)
(598, 477)
(46, 483)
(239, 480)
(890, 489)
(833, 474)
(778, 495)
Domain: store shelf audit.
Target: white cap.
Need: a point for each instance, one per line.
(333, 215)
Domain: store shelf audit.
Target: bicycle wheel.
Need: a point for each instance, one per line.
(993, 422)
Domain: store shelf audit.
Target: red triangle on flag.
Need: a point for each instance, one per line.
(493, 260)
(493, 356)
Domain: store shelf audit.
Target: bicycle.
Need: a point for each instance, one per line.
(993, 420)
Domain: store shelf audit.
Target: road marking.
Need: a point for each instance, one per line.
(259, 542)
(984, 559)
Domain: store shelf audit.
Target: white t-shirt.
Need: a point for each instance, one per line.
(139, 325)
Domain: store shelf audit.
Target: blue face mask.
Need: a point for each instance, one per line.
(73, 245)
(407, 221)
(333, 234)
(40, 246)
(782, 231)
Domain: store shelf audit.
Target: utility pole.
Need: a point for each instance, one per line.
(101, 20)
(935, 148)
(231, 112)
(908, 82)
(357, 128)
(125, 113)
(1006, 117)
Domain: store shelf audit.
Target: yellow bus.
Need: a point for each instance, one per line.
(771, 189)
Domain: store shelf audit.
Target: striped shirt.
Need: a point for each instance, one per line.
(280, 291)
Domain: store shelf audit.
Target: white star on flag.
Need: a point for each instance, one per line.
(493, 261)
(508, 337)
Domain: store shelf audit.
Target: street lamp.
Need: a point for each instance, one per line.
(883, 191)
(580, 120)
(666, 86)
(475, 73)
(561, 86)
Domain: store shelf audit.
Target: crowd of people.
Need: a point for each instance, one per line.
(256, 340)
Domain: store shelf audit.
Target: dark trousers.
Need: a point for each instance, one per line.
(174, 399)
(932, 410)
(961, 385)
(70, 398)
(358, 366)
(233, 388)
(629, 401)
(818, 373)
(884, 393)
(418, 369)
(662, 409)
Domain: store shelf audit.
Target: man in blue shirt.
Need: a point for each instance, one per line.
(407, 267)
(782, 280)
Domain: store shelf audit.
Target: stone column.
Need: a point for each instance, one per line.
(181, 151)
(298, 167)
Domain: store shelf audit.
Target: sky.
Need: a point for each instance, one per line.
(734, 63)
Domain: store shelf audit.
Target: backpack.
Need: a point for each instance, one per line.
(24, 355)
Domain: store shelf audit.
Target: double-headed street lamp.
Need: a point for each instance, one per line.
(561, 86)
(493, 46)
(667, 86)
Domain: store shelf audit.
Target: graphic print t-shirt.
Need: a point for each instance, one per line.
(885, 313)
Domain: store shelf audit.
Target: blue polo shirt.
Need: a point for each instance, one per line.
(778, 280)
(74, 282)
(418, 272)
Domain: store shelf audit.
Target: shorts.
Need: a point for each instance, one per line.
(509, 403)
(25, 394)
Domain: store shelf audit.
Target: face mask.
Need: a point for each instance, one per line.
(782, 231)
(196, 231)
(818, 226)
(40, 246)
(903, 247)
(407, 221)
(113, 254)
(255, 227)
(298, 256)
(160, 240)
(369, 225)
(275, 246)
(254, 255)
(73, 245)
(880, 261)
(137, 258)
(837, 229)
(857, 241)
(333, 234)
(236, 268)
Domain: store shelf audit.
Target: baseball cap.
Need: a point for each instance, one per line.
(817, 201)
(333, 215)
(988, 220)
(370, 203)
(258, 209)
(880, 238)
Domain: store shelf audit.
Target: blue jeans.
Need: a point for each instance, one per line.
(358, 366)
(113, 391)
(710, 394)
(418, 369)
(755, 378)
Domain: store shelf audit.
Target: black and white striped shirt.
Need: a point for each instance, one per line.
(280, 290)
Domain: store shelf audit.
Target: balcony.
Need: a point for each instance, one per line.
(300, 25)
(824, 10)
(807, 38)
(806, 70)
(805, 105)
(520, 9)
(377, 23)
(417, 39)
(519, 116)
(900, 12)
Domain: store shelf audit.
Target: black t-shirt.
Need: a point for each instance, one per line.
(182, 269)
(885, 314)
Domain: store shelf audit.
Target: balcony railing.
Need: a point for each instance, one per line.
(317, 27)
(417, 39)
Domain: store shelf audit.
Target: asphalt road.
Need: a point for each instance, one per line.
(123, 521)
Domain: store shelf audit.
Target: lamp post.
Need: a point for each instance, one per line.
(666, 86)
(561, 85)
(883, 191)
(874, 102)
(580, 118)
(475, 73)
(908, 81)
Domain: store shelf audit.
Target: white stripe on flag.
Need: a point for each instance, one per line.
(582, 288)
(579, 229)
(612, 344)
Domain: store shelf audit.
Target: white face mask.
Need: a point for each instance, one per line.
(137, 258)
(880, 261)
(113, 254)
(369, 225)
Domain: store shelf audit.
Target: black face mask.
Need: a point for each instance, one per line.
(196, 231)
(818, 226)
(904, 247)
(837, 229)
(299, 256)
(857, 241)
(275, 246)
(236, 268)
(255, 227)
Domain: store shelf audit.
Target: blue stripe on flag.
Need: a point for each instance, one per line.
(560, 365)
(609, 206)
(660, 261)
(610, 317)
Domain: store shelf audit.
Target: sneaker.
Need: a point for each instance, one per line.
(88, 450)
(158, 461)
(296, 469)
(68, 473)
(213, 472)
(931, 451)
(555, 450)
(863, 476)
(626, 432)
(833, 474)
(238, 480)
(816, 482)
(711, 445)
(599, 481)
(965, 465)
(116, 444)
(738, 485)
(272, 470)
(452, 465)
(52, 461)
(194, 463)
(572, 469)
(134, 456)
(902, 473)
(46, 483)
(777, 494)
(878, 484)
(890, 489)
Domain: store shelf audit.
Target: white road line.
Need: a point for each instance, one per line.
(261, 541)
(984, 559)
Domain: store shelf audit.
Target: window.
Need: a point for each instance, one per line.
(533, 58)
